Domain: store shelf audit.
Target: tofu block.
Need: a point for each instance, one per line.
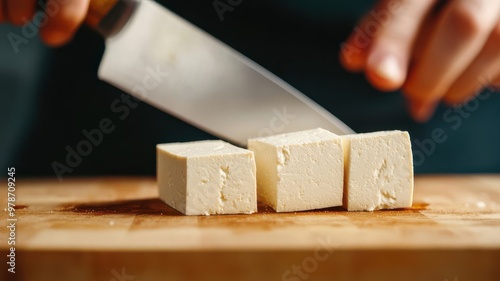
(378, 171)
(299, 171)
(207, 178)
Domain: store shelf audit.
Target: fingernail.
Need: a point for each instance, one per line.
(389, 69)
(422, 111)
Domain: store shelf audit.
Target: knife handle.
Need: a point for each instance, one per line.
(109, 16)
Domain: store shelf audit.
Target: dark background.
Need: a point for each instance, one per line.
(48, 96)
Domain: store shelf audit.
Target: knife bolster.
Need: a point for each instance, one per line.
(108, 17)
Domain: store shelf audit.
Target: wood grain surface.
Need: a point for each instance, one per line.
(93, 226)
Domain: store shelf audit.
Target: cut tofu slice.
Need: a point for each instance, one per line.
(207, 177)
(378, 171)
(299, 171)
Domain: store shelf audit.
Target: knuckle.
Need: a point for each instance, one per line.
(467, 21)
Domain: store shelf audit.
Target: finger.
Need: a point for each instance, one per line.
(479, 74)
(64, 23)
(460, 34)
(354, 50)
(19, 12)
(391, 50)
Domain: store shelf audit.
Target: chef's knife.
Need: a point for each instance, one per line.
(160, 58)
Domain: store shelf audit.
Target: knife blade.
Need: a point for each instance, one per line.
(162, 59)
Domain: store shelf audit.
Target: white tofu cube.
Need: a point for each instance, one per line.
(378, 171)
(299, 171)
(207, 177)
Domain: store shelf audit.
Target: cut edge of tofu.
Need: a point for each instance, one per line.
(346, 148)
(182, 205)
(273, 146)
(265, 194)
(179, 205)
(221, 148)
(277, 140)
(346, 139)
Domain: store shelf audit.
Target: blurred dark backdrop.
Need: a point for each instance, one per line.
(48, 96)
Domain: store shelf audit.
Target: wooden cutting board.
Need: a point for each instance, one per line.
(92, 228)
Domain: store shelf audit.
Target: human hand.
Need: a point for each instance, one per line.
(435, 54)
(63, 17)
